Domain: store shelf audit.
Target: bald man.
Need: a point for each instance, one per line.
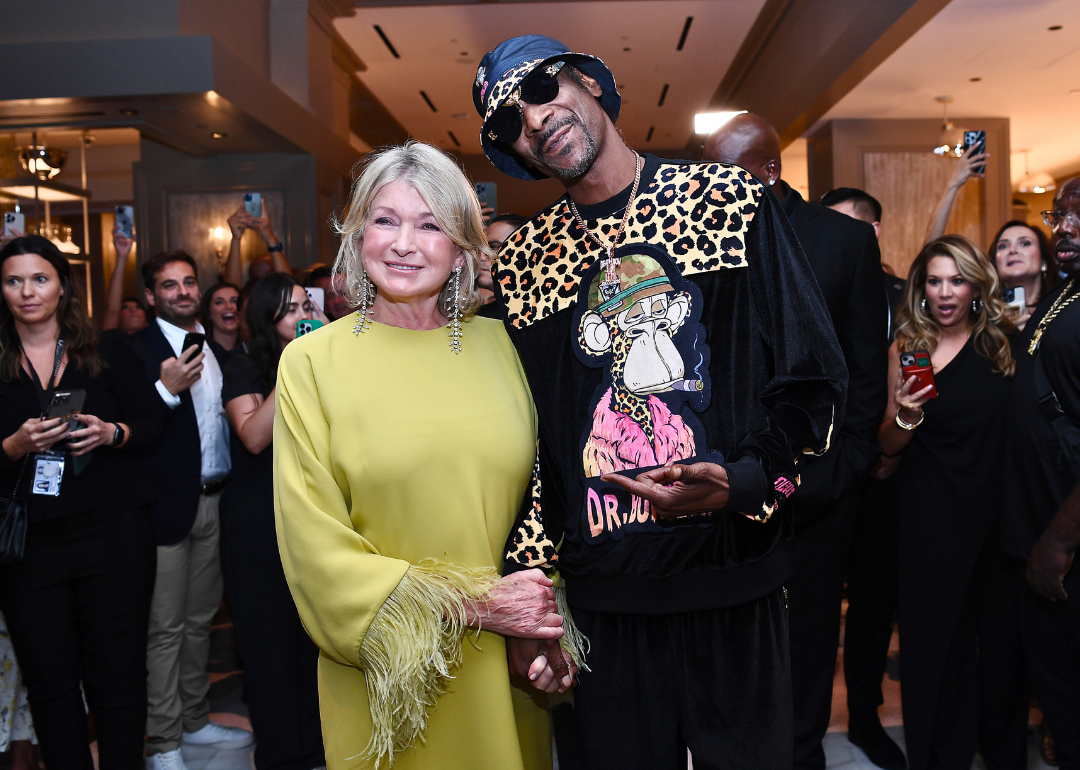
(844, 256)
(1041, 515)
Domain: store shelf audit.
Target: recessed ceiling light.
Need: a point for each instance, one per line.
(626, 49)
(707, 122)
(975, 80)
(1055, 28)
(129, 112)
(219, 135)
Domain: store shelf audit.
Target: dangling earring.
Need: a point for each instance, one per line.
(923, 304)
(363, 321)
(976, 305)
(455, 315)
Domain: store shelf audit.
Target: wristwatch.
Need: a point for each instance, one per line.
(118, 437)
(280, 247)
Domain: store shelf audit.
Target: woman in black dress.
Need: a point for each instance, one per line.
(951, 655)
(280, 661)
(78, 604)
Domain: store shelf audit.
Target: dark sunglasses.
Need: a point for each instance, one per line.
(538, 87)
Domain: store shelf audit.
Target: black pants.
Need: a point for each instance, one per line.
(716, 682)
(280, 660)
(1051, 632)
(821, 548)
(77, 608)
(872, 576)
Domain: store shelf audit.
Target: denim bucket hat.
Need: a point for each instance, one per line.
(501, 72)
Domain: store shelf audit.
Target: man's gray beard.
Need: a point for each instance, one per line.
(586, 161)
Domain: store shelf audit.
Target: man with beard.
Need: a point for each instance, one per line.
(1041, 523)
(681, 359)
(188, 467)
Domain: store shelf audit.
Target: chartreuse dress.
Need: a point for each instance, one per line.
(398, 470)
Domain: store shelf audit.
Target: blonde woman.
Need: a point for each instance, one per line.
(391, 517)
(960, 674)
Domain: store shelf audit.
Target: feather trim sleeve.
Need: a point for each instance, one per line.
(412, 647)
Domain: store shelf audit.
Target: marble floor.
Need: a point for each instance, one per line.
(227, 707)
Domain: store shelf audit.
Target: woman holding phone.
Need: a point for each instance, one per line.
(280, 660)
(77, 605)
(959, 670)
(1024, 260)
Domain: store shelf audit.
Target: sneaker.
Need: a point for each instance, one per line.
(168, 760)
(219, 737)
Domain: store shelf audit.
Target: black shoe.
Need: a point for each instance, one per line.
(879, 747)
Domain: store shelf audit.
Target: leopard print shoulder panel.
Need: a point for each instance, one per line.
(530, 545)
(698, 213)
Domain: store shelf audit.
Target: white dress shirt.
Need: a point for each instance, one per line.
(209, 411)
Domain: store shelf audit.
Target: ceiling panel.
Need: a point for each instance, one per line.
(996, 58)
(441, 46)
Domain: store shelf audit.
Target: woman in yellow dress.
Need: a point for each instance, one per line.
(391, 515)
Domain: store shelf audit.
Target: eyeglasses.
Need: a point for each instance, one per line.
(538, 87)
(1054, 218)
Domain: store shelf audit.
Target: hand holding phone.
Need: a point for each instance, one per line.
(125, 221)
(975, 144)
(253, 204)
(487, 194)
(65, 404)
(179, 374)
(192, 339)
(1015, 297)
(915, 383)
(307, 326)
(14, 224)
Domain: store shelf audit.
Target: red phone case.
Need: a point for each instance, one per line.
(917, 364)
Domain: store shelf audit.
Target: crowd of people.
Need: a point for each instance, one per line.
(718, 415)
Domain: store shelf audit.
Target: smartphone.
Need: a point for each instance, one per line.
(14, 223)
(193, 338)
(917, 364)
(1015, 297)
(487, 194)
(253, 204)
(125, 220)
(976, 139)
(318, 296)
(64, 404)
(308, 326)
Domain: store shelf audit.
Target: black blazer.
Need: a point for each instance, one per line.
(175, 465)
(843, 253)
(112, 480)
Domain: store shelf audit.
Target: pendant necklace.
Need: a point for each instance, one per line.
(1060, 304)
(609, 287)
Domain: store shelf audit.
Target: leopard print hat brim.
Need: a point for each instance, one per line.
(502, 70)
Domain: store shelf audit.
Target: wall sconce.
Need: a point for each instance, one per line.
(217, 241)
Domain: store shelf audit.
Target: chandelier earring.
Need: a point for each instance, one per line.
(976, 305)
(363, 313)
(455, 310)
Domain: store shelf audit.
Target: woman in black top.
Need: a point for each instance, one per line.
(221, 314)
(78, 604)
(957, 666)
(280, 661)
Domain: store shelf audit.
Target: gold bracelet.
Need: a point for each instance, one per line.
(909, 425)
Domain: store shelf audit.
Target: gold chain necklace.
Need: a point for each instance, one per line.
(1059, 304)
(609, 287)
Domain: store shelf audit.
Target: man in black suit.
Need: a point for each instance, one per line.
(844, 255)
(874, 564)
(188, 468)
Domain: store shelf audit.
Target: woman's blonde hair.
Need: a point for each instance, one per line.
(916, 328)
(446, 191)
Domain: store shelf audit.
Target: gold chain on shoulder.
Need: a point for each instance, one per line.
(1060, 304)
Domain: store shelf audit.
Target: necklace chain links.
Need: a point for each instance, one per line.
(1060, 304)
(610, 285)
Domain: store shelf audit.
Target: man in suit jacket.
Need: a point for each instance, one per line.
(188, 468)
(844, 255)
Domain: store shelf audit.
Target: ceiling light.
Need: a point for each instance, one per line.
(951, 140)
(1037, 183)
(219, 135)
(43, 162)
(707, 122)
(129, 113)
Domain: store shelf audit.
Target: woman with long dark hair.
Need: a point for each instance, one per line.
(961, 672)
(78, 603)
(280, 661)
(221, 314)
(1024, 258)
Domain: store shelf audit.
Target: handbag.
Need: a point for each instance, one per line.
(14, 523)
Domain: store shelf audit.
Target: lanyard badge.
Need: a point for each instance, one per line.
(48, 473)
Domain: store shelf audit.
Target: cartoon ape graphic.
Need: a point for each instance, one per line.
(633, 318)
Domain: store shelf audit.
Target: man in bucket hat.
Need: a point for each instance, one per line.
(681, 359)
